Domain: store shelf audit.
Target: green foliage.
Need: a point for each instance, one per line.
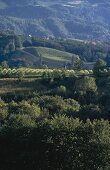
(3, 111)
(3, 114)
(20, 121)
(4, 65)
(9, 43)
(25, 108)
(20, 75)
(61, 90)
(86, 84)
(67, 131)
(73, 105)
(92, 111)
(58, 105)
(100, 67)
(57, 143)
(32, 110)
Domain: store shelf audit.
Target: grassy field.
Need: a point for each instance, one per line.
(55, 54)
(51, 54)
(29, 57)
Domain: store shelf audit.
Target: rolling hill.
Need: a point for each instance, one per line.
(74, 19)
(36, 57)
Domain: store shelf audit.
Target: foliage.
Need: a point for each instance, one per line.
(9, 43)
(20, 121)
(86, 84)
(62, 123)
(100, 67)
(59, 143)
(61, 90)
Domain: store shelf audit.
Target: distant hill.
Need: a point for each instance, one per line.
(78, 19)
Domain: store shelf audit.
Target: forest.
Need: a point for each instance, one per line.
(55, 119)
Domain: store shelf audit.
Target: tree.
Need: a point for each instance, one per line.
(86, 83)
(85, 90)
(24, 107)
(61, 90)
(99, 67)
(90, 111)
(20, 75)
(30, 109)
(21, 121)
(77, 63)
(4, 65)
(18, 41)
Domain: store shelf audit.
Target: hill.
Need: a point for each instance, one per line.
(41, 52)
(85, 19)
(37, 57)
(51, 57)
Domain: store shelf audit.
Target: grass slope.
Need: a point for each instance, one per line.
(30, 57)
(54, 54)
(51, 57)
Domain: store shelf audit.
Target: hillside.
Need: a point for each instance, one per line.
(36, 57)
(42, 52)
(85, 19)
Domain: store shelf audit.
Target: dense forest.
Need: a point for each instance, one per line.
(55, 119)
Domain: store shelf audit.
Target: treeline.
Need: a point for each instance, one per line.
(6, 72)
